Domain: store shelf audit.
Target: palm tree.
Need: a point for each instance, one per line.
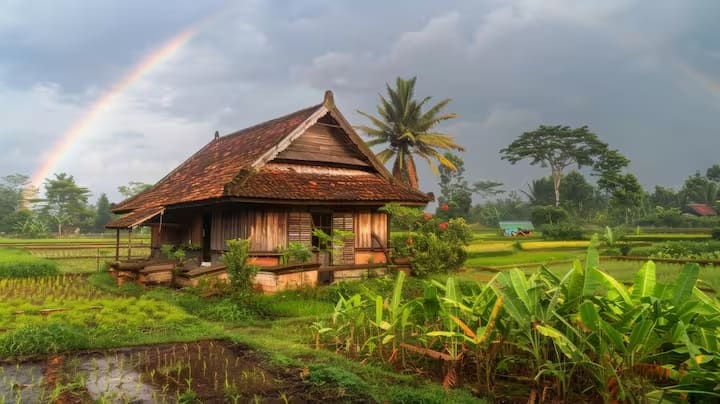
(407, 130)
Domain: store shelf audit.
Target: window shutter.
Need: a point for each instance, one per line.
(300, 228)
(344, 221)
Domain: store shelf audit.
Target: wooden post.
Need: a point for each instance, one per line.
(129, 242)
(117, 245)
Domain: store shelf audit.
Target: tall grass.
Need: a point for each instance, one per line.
(16, 263)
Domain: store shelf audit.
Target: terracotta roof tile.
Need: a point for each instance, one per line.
(205, 173)
(288, 185)
(134, 218)
(702, 209)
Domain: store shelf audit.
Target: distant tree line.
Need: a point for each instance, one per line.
(62, 206)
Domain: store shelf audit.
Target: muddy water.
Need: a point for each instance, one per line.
(209, 371)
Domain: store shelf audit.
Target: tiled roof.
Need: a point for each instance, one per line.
(702, 209)
(205, 173)
(134, 218)
(288, 185)
(233, 166)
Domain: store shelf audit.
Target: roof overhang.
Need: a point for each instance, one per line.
(135, 218)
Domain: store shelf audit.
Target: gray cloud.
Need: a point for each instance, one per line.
(644, 75)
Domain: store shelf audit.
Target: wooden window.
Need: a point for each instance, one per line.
(300, 227)
(344, 221)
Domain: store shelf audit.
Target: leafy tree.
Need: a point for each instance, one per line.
(665, 197)
(540, 192)
(133, 188)
(487, 188)
(65, 202)
(511, 207)
(557, 147)
(11, 196)
(626, 198)
(103, 215)
(455, 194)
(610, 170)
(407, 130)
(579, 194)
(700, 189)
(713, 173)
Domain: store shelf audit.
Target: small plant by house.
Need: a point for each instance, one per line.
(240, 272)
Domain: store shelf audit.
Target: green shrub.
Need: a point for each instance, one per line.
(322, 375)
(20, 264)
(715, 234)
(543, 215)
(640, 251)
(561, 231)
(434, 245)
(709, 250)
(41, 339)
(236, 259)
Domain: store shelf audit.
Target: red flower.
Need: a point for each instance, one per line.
(443, 225)
(427, 216)
(444, 207)
(409, 240)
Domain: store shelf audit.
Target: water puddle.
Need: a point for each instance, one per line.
(205, 371)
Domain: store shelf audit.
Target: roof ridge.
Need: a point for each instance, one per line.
(268, 122)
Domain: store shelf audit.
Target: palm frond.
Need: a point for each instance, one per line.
(385, 155)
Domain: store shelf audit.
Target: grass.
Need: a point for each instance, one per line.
(519, 257)
(74, 239)
(18, 263)
(667, 237)
(31, 307)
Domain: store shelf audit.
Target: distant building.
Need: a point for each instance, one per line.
(700, 209)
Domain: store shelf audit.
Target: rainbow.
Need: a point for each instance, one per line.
(79, 128)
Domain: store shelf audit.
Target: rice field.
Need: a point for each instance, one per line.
(623, 271)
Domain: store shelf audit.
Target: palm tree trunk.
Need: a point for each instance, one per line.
(398, 171)
(411, 172)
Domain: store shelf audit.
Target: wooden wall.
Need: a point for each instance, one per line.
(323, 144)
(367, 223)
(266, 228)
(270, 228)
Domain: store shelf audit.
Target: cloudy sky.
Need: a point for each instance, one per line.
(644, 75)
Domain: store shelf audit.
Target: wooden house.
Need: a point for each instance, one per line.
(272, 183)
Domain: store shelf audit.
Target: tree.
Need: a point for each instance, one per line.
(556, 147)
(487, 188)
(665, 198)
(609, 168)
(65, 202)
(627, 197)
(540, 192)
(103, 215)
(11, 196)
(455, 194)
(579, 193)
(700, 189)
(510, 207)
(713, 173)
(133, 188)
(408, 131)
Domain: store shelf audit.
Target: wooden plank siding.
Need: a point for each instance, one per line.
(367, 223)
(320, 144)
(266, 228)
(344, 221)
